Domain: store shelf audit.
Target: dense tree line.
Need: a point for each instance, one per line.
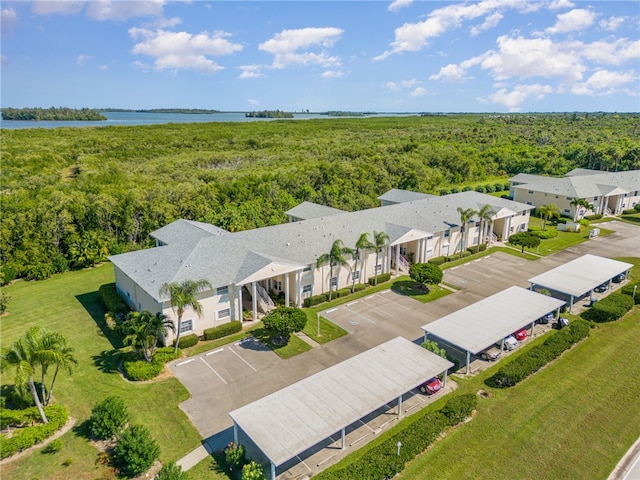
(269, 114)
(72, 196)
(53, 113)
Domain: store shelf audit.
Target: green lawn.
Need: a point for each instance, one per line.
(414, 290)
(69, 304)
(562, 241)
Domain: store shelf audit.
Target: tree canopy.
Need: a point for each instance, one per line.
(284, 321)
(425, 273)
(524, 239)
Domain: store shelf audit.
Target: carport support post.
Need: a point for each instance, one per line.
(343, 439)
(468, 360)
(273, 471)
(235, 433)
(444, 379)
(400, 405)
(570, 303)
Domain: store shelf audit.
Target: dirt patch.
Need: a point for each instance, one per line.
(484, 394)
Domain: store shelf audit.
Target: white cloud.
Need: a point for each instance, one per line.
(410, 83)
(558, 4)
(418, 92)
(612, 23)
(490, 22)
(182, 50)
(577, 19)
(122, 10)
(520, 93)
(453, 72)
(290, 47)
(253, 102)
(617, 52)
(412, 37)
(392, 86)
(82, 58)
(62, 7)
(332, 74)
(251, 71)
(604, 82)
(398, 4)
(8, 19)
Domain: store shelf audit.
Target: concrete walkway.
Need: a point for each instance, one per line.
(628, 467)
(193, 458)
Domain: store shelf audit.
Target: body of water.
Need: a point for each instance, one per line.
(147, 118)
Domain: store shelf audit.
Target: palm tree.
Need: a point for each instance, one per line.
(465, 215)
(183, 295)
(580, 202)
(380, 241)
(485, 214)
(363, 245)
(335, 257)
(144, 328)
(23, 355)
(548, 211)
(54, 350)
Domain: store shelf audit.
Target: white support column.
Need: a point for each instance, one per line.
(235, 433)
(468, 361)
(286, 289)
(419, 251)
(425, 335)
(444, 379)
(343, 439)
(254, 300)
(299, 288)
(240, 303)
(400, 405)
(571, 304)
(397, 260)
(388, 260)
(273, 471)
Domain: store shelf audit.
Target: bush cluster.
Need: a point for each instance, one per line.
(456, 256)
(343, 292)
(595, 216)
(610, 308)
(383, 277)
(546, 234)
(135, 451)
(108, 418)
(629, 211)
(27, 437)
(628, 290)
(477, 248)
(223, 330)
(171, 471)
(111, 299)
(382, 461)
(253, 471)
(234, 455)
(538, 356)
(138, 369)
(187, 341)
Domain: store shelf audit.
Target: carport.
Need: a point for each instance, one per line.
(482, 324)
(580, 276)
(288, 422)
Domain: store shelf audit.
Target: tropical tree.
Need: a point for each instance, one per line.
(182, 296)
(380, 241)
(580, 203)
(336, 258)
(524, 239)
(485, 214)
(425, 273)
(548, 211)
(363, 245)
(465, 215)
(283, 321)
(142, 330)
(55, 352)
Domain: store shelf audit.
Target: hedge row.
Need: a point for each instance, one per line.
(223, 330)
(457, 256)
(610, 308)
(383, 277)
(27, 437)
(546, 234)
(187, 341)
(343, 292)
(628, 290)
(383, 461)
(595, 216)
(536, 358)
(138, 370)
(112, 301)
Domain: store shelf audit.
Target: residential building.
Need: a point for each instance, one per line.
(246, 269)
(608, 192)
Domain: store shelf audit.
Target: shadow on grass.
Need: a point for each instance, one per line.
(410, 288)
(83, 430)
(108, 360)
(93, 305)
(265, 338)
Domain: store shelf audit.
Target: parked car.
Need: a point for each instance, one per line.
(601, 288)
(431, 386)
(491, 354)
(510, 342)
(562, 322)
(520, 334)
(618, 278)
(546, 319)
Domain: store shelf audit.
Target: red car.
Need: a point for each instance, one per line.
(431, 386)
(520, 334)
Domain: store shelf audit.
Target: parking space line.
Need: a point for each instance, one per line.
(361, 316)
(215, 351)
(185, 362)
(331, 310)
(327, 459)
(213, 370)
(352, 303)
(366, 425)
(359, 439)
(238, 355)
(302, 461)
(401, 306)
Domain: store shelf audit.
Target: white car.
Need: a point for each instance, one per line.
(510, 343)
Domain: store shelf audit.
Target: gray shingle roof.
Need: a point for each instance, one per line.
(186, 230)
(581, 183)
(225, 259)
(307, 210)
(401, 196)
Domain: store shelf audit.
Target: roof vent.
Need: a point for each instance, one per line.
(288, 244)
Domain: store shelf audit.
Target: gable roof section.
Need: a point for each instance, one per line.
(396, 195)
(307, 210)
(185, 230)
(224, 260)
(257, 266)
(581, 183)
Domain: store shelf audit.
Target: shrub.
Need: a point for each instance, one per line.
(223, 330)
(499, 187)
(609, 309)
(506, 186)
(171, 471)
(234, 455)
(253, 471)
(437, 260)
(316, 300)
(425, 273)
(111, 299)
(546, 234)
(54, 447)
(135, 451)
(628, 290)
(455, 190)
(9, 274)
(285, 320)
(41, 271)
(433, 347)
(489, 188)
(444, 191)
(480, 189)
(359, 287)
(108, 418)
(584, 222)
(459, 408)
(383, 277)
(629, 211)
(466, 188)
(343, 292)
(482, 247)
(139, 370)
(27, 437)
(166, 354)
(595, 216)
(60, 264)
(637, 207)
(187, 341)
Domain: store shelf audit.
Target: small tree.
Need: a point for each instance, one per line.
(4, 301)
(135, 451)
(108, 418)
(284, 321)
(547, 212)
(253, 471)
(433, 347)
(234, 455)
(524, 239)
(171, 471)
(425, 273)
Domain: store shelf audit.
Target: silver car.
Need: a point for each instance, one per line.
(491, 354)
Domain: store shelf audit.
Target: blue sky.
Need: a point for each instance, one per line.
(384, 56)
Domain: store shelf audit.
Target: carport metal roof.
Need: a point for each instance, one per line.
(581, 275)
(289, 421)
(484, 323)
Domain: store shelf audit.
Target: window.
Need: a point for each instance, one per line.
(186, 326)
(556, 196)
(545, 194)
(446, 233)
(530, 192)
(475, 240)
(307, 268)
(403, 251)
(566, 210)
(306, 291)
(224, 313)
(595, 198)
(277, 285)
(529, 203)
(355, 275)
(222, 290)
(569, 199)
(477, 224)
(334, 282)
(377, 268)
